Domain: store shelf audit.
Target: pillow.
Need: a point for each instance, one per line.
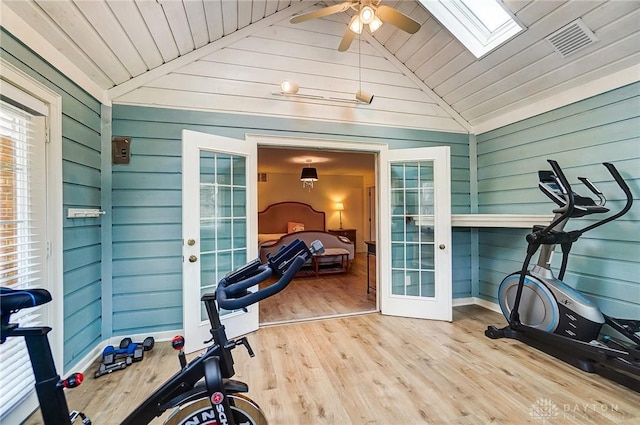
(293, 227)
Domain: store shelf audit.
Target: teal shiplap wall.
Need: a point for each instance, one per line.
(147, 249)
(605, 263)
(81, 189)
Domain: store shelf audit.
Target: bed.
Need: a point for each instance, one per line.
(283, 222)
(282, 218)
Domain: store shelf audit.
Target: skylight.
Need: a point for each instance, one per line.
(481, 25)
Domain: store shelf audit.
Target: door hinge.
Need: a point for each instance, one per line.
(47, 133)
(48, 253)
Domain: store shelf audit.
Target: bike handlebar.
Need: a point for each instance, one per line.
(235, 296)
(233, 292)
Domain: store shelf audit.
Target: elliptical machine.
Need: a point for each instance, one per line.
(551, 316)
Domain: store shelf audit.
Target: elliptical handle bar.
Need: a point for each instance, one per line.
(538, 237)
(565, 186)
(625, 188)
(235, 296)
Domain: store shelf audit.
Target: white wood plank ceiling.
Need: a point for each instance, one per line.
(230, 56)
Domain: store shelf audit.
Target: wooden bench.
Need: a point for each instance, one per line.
(328, 257)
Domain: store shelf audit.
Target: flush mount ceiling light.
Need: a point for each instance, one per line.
(368, 12)
(309, 175)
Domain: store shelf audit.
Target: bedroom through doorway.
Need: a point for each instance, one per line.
(341, 197)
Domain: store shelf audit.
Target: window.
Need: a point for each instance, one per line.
(481, 25)
(30, 224)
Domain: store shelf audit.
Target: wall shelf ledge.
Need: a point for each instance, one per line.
(500, 220)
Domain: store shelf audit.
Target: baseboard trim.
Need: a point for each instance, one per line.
(487, 304)
(458, 302)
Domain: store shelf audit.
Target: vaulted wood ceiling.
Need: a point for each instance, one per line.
(230, 56)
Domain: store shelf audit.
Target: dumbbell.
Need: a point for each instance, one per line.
(147, 344)
(105, 369)
(137, 348)
(133, 351)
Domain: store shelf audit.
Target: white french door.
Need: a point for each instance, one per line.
(219, 227)
(414, 247)
(30, 226)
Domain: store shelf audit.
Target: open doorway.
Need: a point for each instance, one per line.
(346, 180)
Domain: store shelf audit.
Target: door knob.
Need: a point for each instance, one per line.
(441, 246)
(191, 242)
(193, 258)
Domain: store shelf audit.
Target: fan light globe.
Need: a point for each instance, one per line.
(356, 25)
(375, 24)
(367, 14)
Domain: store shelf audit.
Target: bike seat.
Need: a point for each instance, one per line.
(15, 299)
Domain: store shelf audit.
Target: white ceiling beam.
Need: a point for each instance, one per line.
(193, 56)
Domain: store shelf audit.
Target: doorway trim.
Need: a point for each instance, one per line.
(335, 144)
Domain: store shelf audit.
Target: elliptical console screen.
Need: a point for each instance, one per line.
(550, 187)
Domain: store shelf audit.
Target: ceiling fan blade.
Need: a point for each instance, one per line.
(397, 19)
(347, 38)
(330, 10)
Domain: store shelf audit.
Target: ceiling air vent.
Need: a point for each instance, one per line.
(572, 38)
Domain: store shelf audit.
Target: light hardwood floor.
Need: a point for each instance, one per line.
(375, 369)
(322, 296)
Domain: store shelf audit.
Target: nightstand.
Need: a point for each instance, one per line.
(348, 233)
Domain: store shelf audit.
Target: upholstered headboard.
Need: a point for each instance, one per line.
(275, 217)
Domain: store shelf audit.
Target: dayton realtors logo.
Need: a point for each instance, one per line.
(544, 410)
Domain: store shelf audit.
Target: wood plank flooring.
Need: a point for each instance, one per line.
(373, 369)
(322, 296)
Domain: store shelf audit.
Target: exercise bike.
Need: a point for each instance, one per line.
(202, 391)
(544, 312)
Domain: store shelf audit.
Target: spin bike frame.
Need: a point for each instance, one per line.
(620, 364)
(215, 364)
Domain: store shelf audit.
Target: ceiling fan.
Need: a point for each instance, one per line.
(370, 13)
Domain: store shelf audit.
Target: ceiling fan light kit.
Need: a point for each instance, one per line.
(368, 12)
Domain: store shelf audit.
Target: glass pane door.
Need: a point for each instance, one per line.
(415, 238)
(219, 224)
(223, 218)
(412, 229)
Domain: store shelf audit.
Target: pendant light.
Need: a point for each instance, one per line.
(309, 175)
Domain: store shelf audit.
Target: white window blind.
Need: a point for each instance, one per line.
(22, 232)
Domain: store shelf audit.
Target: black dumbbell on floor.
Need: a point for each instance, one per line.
(147, 344)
